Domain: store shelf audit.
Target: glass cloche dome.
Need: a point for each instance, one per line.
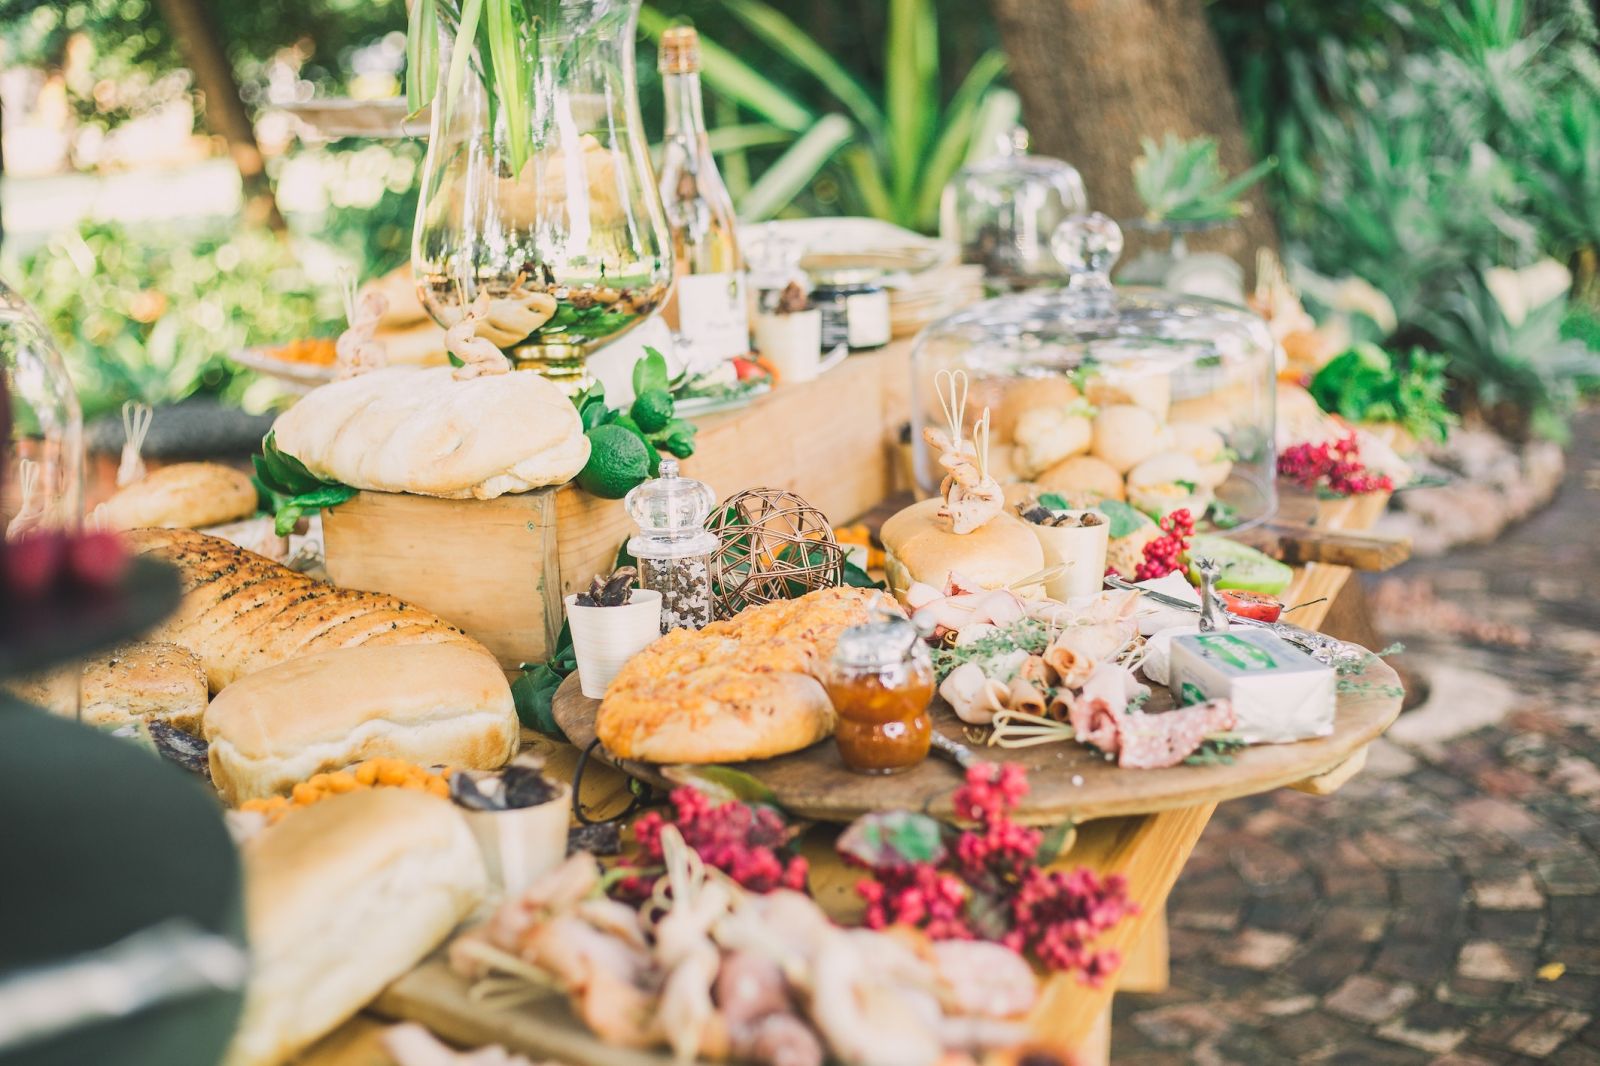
(1097, 392)
(41, 484)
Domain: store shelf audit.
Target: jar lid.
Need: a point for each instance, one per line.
(670, 506)
(1092, 322)
(888, 641)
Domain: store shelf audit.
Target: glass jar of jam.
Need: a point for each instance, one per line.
(881, 683)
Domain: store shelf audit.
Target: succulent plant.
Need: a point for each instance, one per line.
(609, 591)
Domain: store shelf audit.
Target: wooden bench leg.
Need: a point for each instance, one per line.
(1145, 969)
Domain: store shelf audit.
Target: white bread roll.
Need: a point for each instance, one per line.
(434, 704)
(402, 303)
(918, 545)
(341, 898)
(402, 429)
(182, 496)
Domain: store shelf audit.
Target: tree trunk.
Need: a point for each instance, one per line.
(1096, 75)
(195, 28)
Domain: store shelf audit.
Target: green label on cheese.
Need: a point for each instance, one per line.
(1236, 652)
(1190, 694)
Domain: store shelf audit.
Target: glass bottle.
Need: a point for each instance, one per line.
(673, 547)
(707, 307)
(880, 680)
(1001, 212)
(41, 465)
(537, 186)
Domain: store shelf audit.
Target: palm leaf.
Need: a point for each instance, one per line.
(739, 138)
(735, 79)
(866, 174)
(422, 55)
(912, 94)
(795, 169)
(471, 10)
(793, 44)
(958, 122)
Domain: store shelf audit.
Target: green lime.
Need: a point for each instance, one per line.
(1242, 566)
(618, 460)
(652, 411)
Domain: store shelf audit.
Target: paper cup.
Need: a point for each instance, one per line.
(606, 637)
(792, 344)
(1083, 551)
(520, 845)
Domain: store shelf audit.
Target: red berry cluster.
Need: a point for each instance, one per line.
(918, 895)
(43, 561)
(1162, 555)
(741, 840)
(1057, 913)
(1051, 915)
(1335, 466)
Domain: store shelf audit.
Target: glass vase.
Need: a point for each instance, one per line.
(537, 185)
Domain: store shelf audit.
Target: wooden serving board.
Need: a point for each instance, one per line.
(1070, 782)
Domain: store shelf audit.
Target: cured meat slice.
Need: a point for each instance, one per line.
(1151, 741)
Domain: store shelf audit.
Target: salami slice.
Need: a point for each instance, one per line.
(1151, 741)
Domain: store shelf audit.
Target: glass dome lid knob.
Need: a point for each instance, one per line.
(1088, 247)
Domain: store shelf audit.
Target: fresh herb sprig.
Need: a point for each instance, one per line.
(1368, 384)
(652, 417)
(289, 490)
(1028, 636)
(1216, 750)
(1184, 181)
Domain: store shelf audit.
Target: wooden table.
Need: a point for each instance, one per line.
(1149, 849)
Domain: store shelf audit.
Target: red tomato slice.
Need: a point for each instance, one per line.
(1257, 605)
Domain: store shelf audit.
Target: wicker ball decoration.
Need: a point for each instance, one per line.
(774, 546)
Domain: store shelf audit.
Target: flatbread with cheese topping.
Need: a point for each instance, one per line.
(748, 687)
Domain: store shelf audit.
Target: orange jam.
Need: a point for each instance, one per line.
(883, 715)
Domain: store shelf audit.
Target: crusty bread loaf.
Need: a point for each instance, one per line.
(341, 898)
(434, 704)
(183, 495)
(403, 429)
(242, 613)
(146, 679)
(745, 688)
(918, 545)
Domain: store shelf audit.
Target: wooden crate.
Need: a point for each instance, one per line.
(498, 568)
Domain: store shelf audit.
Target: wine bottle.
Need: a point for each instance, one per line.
(708, 308)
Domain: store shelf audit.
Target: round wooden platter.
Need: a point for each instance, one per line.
(1069, 781)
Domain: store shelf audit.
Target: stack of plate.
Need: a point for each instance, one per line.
(916, 300)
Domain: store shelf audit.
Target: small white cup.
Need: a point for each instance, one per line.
(604, 638)
(792, 344)
(1082, 550)
(521, 844)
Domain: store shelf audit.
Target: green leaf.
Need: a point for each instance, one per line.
(890, 840)
(1124, 519)
(795, 168)
(511, 79)
(422, 55)
(466, 37)
(650, 373)
(725, 73)
(866, 171)
(855, 577)
(957, 125)
(287, 517)
(327, 496)
(721, 783)
(804, 53)
(912, 93)
(1054, 501)
(534, 695)
(999, 112)
(1056, 842)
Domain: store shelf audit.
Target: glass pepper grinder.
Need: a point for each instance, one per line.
(880, 681)
(673, 547)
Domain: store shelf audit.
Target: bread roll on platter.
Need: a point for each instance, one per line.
(401, 429)
(433, 705)
(341, 898)
(242, 613)
(150, 680)
(183, 495)
(919, 545)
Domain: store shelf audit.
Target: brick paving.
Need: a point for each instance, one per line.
(1444, 907)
